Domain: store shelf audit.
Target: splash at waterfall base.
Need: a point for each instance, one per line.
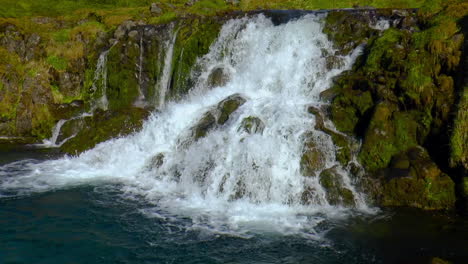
(404, 175)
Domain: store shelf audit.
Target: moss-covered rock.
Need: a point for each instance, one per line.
(228, 106)
(348, 30)
(389, 132)
(104, 125)
(344, 144)
(410, 70)
(122, 79)
(413, 179)
(313, 159)
(206, 123)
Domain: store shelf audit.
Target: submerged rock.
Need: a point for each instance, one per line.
(217, 116)
(157, 161)
(218, 77)
(252, 125)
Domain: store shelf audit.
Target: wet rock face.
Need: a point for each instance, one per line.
(37, 85)
(344, 143)
(102, 126)
(228, 106)
(336, 194)
(313, 159)
(206, 123)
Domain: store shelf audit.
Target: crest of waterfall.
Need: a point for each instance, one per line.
(228, 179)
(164, 82)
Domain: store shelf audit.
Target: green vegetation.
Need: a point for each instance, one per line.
(194, 37)
(22, 8)
(57, 62)
(459, 139)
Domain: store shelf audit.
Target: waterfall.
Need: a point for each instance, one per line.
(100, 81)
(140, 102)
(163, 85)
(229, 180)
(52, 141)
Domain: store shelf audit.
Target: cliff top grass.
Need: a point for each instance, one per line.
(111, 13)
(59, 8)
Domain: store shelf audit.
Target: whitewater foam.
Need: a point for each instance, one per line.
(228, 180)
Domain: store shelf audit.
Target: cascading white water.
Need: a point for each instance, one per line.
(53, 142)
(100, 81)
(163, 85)
(140, 102)
(280, 71)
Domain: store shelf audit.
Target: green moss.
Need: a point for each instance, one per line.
(428, 194)
(59, 63)
(105, 125)
(163, 19)
(42, 122)
(459, 138)
(194, 39)
(207, 7)
(383, 49)
(347, 30)
(122, 83)
(349, 106)
(206, 123)
(62, 36)
(379, 142)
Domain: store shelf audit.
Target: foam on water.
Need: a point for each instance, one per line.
(280, 71)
